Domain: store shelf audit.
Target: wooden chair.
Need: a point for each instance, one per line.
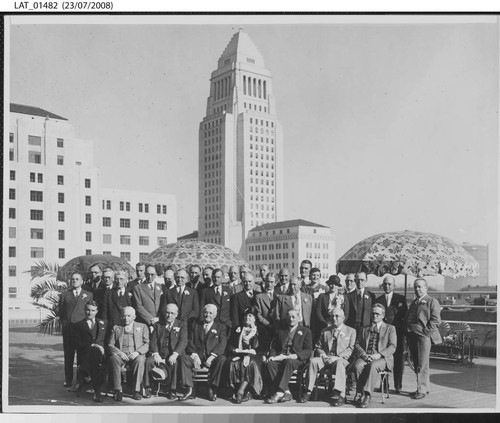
(326, 378)
(384, 384)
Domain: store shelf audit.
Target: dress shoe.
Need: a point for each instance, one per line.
(398, 390)
(365, 402)
(137, 396)
(98, 397)
(172, 395)
(187, 395)
(338, 401)
(418, 395)
(285, 398)
(273, 399)
(147, 393)
(212, 394)
(67, 385)
(118, 395)
(305, 397)
(238, 398)
(247, 397)
(358, 397)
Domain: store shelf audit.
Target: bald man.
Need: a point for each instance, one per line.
(395, 311)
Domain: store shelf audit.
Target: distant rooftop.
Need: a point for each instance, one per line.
(192, 235)
(286, 224)
(34, 111)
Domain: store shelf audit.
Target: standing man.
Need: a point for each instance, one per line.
(89, 341)
(95, 284)
(195, 279)
(184, 297)
(146, 298)
(242, 301)
(234, 283)
(128, 346)
(115, 299)
(207, 276)
(108, 279)
(333, 349)
(220, 296)
(140, 271)
(263, 272)
(296, 300)
(265, 302)
(421, 325)
(284, 282)
(374, 348)
(169, 276)
(305, 268)
(71, 310)
(358, 304)
(395, 311)
(290, 349)
(168, 343)
(327, 301)
(350, 285)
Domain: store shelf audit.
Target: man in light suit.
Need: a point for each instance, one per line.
(146, 298)
(184, 297)
(358, 304)
(168, 346)
(296, 300)
(375, 346)
(71, 310)
(206, 346)
(290, 349)
(265, 303)
(140, 272)
(421, 325)
(128, 346)
(395, 311)
(243, 300)
(219, 295)
(333, 349)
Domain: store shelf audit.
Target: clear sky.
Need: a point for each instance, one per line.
(386, 127)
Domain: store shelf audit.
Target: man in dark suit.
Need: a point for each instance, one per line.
(168, 346)
(146, 298)
(358, 304)
(196, 282)
(265, 302)
(71, 310)
(206, 346)
(291, 348)
(220, 296)
(128, 345)
(243, 300)
(184, 297)
(207, 276)
(395, 311)
(296, 300)
(95, 283)
(140, 272)
(375, 346)
(421, 325)
(115, 299)
(89, 341)
(107, 283)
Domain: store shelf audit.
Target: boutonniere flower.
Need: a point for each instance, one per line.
(186, 292)
(238, 330)
(130, 294)
(137, 329)
(213, 331)
(366, 297)
(306, 300)
(84, 296)
(400, 304)
(423, 302)
(158, 288)
(177, 329)
(224, 293)
(299, 333)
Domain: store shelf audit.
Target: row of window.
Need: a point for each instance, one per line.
(35, 157)
(213, 123)
(161, 225)
(270, 247)
(126, 240)
(278, 256)
(317, 245)
(323, 256)
(256, 122)
(36, 140)
(222, 88)
(254, 107)
(254, 87)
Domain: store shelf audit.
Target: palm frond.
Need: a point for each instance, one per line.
(47, 289)
(50, 325)
(43, 269)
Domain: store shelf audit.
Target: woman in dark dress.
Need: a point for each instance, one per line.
(247, 349)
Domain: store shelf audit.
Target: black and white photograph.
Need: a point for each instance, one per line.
(251, 213)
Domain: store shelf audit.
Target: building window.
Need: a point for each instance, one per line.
(34, 140)
(143, 256)
(40, 178)
(122, 206)
(87, 183)
(127, 206)
(60, 144)
(158, 208)
(140, 207)
(12, 232)
(162, 240)
(60, 197)
(161, 225)
(88, 236)
(34, 157)
(36, 195)
(12, 272)
(164, 209)
(125, 239)
(88, 200)
(88, 218)
(12, 194)
(106, 221)
(108, 204)
(36, 214)
(62, 253)
(124, 223)
(12, 251)
(12, 213)
(61, 235)
(11, 155)
(88, 252)
(11, 137)
(32, 177)
(144, 240)
(106, 238)
(36, 233)
(12, 175)
(60, 160)
(60, 180)
(107, 253)
(143, 224)
(125, 255)
(60, 216)
(36, 252)
(146, 208)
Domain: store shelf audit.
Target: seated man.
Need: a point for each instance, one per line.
(206, 346)
(290, 350)
(168, 344)
(128, 346)
(333, 349)
(375, 346)
(89, 342)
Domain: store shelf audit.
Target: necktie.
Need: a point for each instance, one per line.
(151, 286)
(219, 293)
(75, 293)
(205, 328)
(250, 294)
(120, 294)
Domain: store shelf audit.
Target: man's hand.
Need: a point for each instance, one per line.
(101, 349)
(197, 360)
(133, 355)
(208, 363)
(173, 358)
(279, 357)
(123, 356)
(154, 320)
(331, 359)
(157, 358)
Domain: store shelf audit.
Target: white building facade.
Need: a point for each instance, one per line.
(57, 208)
(240, 149)
(287, 243)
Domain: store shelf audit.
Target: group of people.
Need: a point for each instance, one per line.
(250, 334)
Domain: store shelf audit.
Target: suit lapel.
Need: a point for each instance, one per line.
(329, 340)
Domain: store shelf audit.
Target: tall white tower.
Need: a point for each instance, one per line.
(240, 149)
